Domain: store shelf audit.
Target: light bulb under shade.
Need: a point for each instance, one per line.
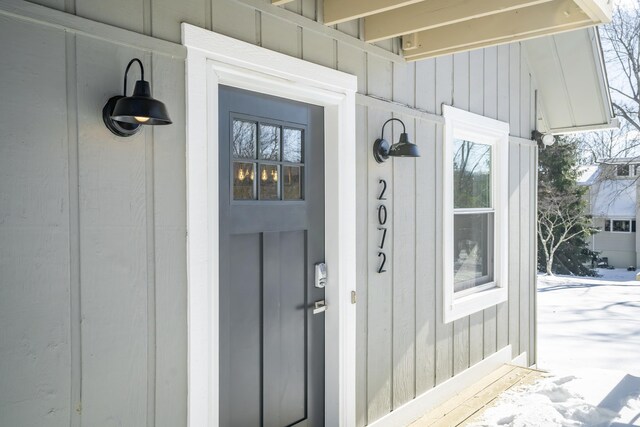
(141, 119)
(128, 109)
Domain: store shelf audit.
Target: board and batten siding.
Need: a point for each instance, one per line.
(93, 280)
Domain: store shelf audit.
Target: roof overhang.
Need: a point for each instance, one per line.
(573, 92)
(439, 27)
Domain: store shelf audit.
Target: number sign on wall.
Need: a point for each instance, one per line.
(382, 226)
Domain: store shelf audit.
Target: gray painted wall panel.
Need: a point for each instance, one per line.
(132, 203)
(362, 274)
(113, 247)
(35, 351)
(169, 209)
(232, 19)
(165, 13)
(318, 49)
(425, 256)
(127, 14)
(404, 282)
(380, 294)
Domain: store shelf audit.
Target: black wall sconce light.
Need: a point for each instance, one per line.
(403, 148)
(123, 115)
(543, 138)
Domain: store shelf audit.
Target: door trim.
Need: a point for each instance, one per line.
(214, 59)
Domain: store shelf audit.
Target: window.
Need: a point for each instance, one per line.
(475, 213)
(620, 225)
(622, 170)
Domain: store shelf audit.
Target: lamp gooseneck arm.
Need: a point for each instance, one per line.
(126, 71)
(404, 129)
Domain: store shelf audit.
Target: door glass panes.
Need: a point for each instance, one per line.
(269, 142)
(268, 161)
(243, 181)
(292, 147)
(291, 182)
(269, 178)
(472, 250)
(471, 174)
(244, 139)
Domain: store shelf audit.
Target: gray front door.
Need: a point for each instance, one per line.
(271, 236)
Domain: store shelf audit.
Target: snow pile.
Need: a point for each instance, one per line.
(568, 401)
(589, 322)
(589, 340)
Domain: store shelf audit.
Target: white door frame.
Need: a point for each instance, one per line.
(214, 59)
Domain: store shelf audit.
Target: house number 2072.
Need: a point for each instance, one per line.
(382, 225)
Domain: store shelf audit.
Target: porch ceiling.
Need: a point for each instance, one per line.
(437, 27)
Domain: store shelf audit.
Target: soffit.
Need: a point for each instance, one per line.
(432, 28)
(573, 92)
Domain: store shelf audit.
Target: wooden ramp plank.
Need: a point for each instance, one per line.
(472, 402)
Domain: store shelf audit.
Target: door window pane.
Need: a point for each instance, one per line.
(269, 176)
(269, 142)
(243, 181)
(472, 250)
(291, 180)
(471, 174)
(244, 139)
(292, 147)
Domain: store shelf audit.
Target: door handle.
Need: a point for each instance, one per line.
(319, 306)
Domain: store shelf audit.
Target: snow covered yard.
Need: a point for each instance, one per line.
(589, 341)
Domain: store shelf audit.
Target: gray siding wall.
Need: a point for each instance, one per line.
(93, 289)
(620, 248)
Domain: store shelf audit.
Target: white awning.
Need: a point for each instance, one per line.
(573, 92)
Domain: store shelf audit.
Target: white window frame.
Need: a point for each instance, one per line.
(460, 124)
(611, 230)
(630, 170)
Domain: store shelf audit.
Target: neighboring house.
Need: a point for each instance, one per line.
(613, 188)
(168, 278)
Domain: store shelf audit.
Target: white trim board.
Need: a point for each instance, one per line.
(214, 59)
(408, 413)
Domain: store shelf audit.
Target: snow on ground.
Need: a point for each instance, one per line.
(589, 341)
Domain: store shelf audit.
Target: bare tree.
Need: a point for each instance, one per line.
(621, 44)
(621, 48)
(608, 144)
(558, 223)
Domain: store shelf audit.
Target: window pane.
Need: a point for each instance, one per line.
(623, 170)
(607, 225)
(269, 142)
(291, 182)
(244, 139)
(621, 225)
(472, 250)
(471, 174)
(243, 181)
(292, 147)
(269, 182)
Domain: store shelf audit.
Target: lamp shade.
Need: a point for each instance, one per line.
(141, 107)
(404, 148)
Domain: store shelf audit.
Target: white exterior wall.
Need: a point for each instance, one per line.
(92, 227)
